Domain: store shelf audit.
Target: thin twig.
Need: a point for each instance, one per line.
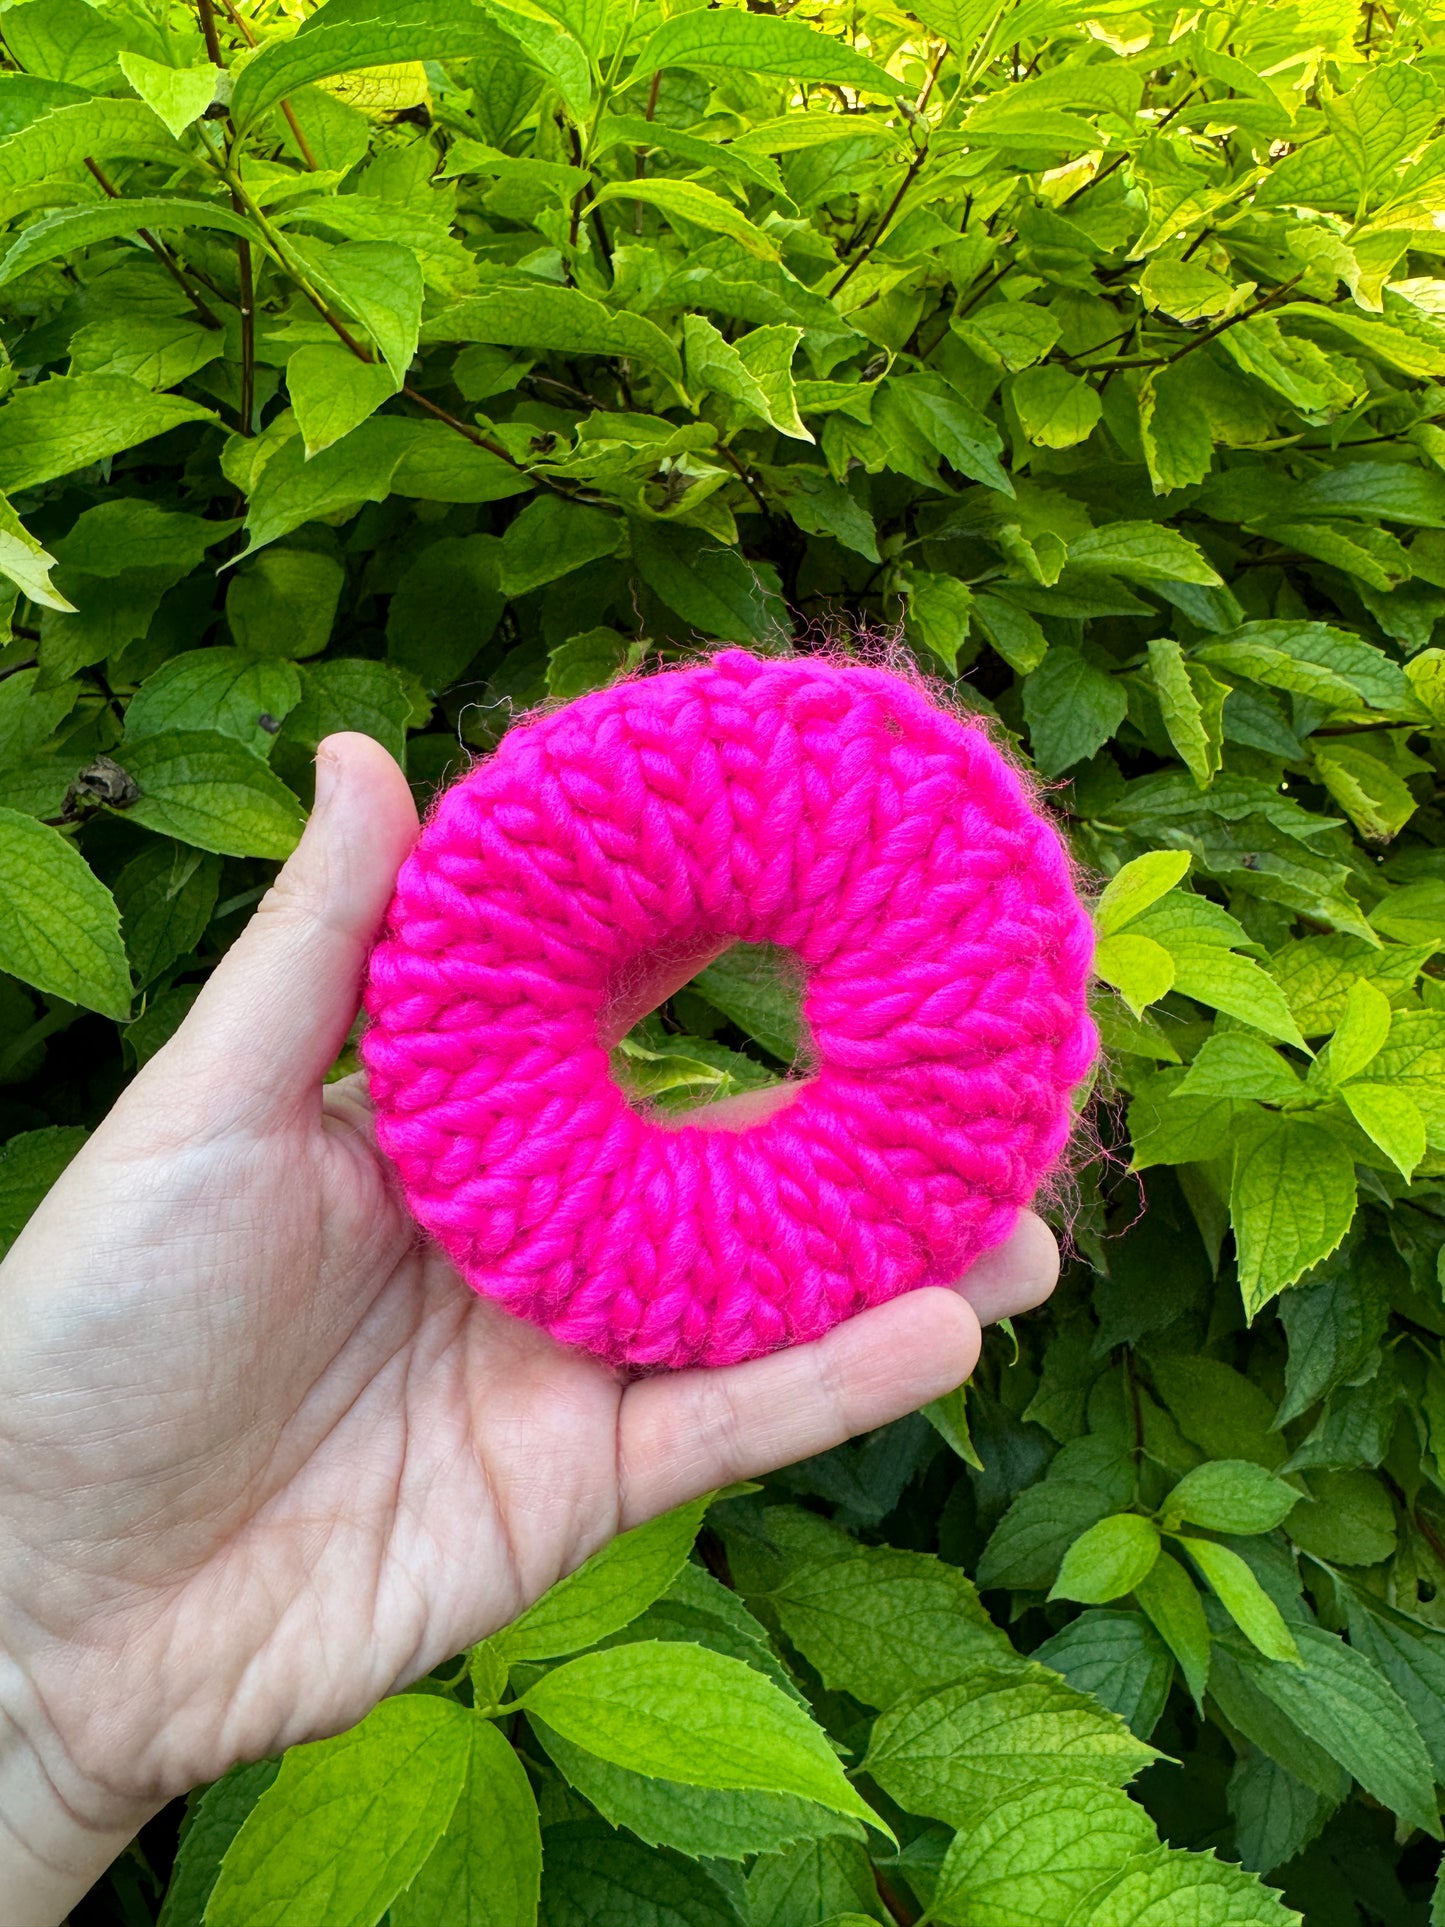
(162, 253)
(1233, 321)
(208, 27)
(244, 28)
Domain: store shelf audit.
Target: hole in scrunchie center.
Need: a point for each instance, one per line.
(710, 1038)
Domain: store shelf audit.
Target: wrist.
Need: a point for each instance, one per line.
(58, 1832)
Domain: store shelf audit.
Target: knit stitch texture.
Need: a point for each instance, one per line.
(829, 808)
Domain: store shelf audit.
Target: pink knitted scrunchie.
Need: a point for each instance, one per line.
(829, 808)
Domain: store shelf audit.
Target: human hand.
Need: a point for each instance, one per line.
(263, 1459)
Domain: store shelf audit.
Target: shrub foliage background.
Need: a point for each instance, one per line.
(405, 364)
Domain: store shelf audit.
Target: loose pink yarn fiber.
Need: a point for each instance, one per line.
(822, 806)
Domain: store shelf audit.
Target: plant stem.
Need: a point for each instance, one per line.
(1233, 321)
(208, 27)
(338, 327)
(162, 253)
(243, 27)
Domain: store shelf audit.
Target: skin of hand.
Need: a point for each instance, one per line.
(263, 1459)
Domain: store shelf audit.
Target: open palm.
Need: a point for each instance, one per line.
(262, 1459)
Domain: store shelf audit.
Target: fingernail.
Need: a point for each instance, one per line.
(328, 776)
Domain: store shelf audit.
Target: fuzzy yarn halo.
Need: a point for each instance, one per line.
(826, 807)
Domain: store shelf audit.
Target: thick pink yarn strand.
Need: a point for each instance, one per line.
(829, 808)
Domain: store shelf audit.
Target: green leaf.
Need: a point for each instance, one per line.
(1311, 659)
(1390, 1119)
(695, 206)
(945, 423)
(486, 1869)
(59, 925)
(1218, 1409)
(166, 896)
(885, 1623)
(1142, 552)
(1350, 1522)
(552, 537)
(29, 1164)
(821, 506)
(156, 350)
(176, 95)
(1229, 1495)
(209, 1830)
(1342, 1701)
(1275, 1815)
(1029, 1542)
(346, 35)
(1225, 981)
(1360, 1034)
(596, 1876)
(130, 532)
(1012, 632)
(1141, 970)
(66, 40)
(705, 1822)
(69, 421)
(445, 608)
(680, 1712)
(1291, 1200)
(1169, 1597)
(1011, 335)
(939, 608)
(1030, 1856)
(1244, 1599)
(712, 588)
(1233, 1063)
(755, 986)
(98, 130)
(332, 392)
(285, 603)
(563, 319)
(944, 1752)
(1175, 429)
(1168, 1888)
(26, 563)
(221, 689)
(760, 44)
(379, 282)
(1131, 890)
(1109, 1560)
(1119, 1658)
(1055, 409)
(767, 355)
(385, 454)
(1376, 800)
(1072, 709)
(1191, 702)
(1411, 1655)
(352, 692)
(208, 790)
(349, 1822)
(607, 1591)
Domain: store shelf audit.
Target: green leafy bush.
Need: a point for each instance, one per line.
(433, 359)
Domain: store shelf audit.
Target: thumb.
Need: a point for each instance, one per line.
(277, 1008)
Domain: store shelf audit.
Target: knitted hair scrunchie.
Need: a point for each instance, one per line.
(825, 807)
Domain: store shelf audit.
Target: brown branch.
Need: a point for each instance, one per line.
(882, 228)
(248, 335)
(162, 253)
(243, 27)
(1104, 172)
(1233, 321)
(898, 1913)
(208, 27)
(746, 479)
